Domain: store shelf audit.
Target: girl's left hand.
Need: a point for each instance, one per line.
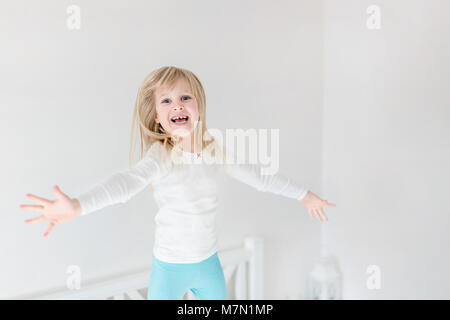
(314, 204)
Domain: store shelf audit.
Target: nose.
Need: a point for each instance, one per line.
(179, 107)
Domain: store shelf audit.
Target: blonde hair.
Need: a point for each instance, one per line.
(150, 131)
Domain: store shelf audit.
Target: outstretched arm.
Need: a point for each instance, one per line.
(278, 184)
(119, 187)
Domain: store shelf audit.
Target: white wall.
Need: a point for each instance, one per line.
(66, 103)
(386, 145)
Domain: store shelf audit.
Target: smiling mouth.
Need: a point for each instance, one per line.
(180, 120)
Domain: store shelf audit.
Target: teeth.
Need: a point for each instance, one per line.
(181, 117)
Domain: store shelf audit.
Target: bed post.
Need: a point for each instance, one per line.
(255, 267)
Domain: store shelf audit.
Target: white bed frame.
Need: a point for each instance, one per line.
(242, 267)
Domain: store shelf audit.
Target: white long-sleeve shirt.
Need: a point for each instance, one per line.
(186, 196)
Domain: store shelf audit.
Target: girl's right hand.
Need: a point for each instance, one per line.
(62, 209)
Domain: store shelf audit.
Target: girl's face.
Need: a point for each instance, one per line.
(176, 102)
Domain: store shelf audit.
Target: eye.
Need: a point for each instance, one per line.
(181, 97)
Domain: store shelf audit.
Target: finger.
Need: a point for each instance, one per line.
(323, 214)
(39, 218)
(317, 214)
(59, 193)
(50, 227)
(34, 207)
(329, 204)
(38, 199)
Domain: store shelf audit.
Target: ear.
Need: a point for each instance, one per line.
(156, 119)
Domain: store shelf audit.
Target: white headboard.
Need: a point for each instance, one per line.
(242, 267)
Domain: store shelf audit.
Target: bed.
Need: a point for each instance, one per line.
(242, 266)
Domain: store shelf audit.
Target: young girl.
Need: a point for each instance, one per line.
(171, 113)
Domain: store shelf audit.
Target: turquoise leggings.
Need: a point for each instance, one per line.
(170, 281)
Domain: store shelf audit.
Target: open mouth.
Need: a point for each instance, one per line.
(179, 120)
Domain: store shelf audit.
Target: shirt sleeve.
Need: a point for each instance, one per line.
(251, 174)
(121, 186)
